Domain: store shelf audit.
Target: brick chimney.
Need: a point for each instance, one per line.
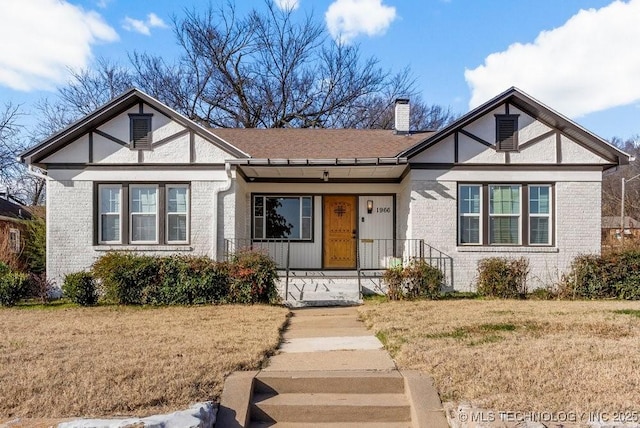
(402, 115)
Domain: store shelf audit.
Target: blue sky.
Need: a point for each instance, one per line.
(579, 57)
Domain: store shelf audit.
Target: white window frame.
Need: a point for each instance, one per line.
(537, 215)
(167, 213)
(264, 218)
(490, 215)
(478, 215)
(100, 213)
(14, 240)
(132, 213)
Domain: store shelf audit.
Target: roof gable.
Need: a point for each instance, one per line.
(110, 110)
(533, 108)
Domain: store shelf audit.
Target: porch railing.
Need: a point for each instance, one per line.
(372, 255)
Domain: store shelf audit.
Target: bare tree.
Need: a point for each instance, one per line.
(268, 70)
(11, 145)
(611, 182)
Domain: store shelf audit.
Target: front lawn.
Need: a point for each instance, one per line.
(509, 355)
(116, 360)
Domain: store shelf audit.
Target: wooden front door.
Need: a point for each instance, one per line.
(339, 234)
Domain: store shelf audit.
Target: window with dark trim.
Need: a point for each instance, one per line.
(283, 217)
(143, 213)
(507, 132)
(140, 131)
(505, 214)
(14, 240)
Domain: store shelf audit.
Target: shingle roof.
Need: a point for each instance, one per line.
(613, 222)
(11, 210)
(308, 143)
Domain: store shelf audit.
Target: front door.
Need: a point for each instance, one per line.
(339, 242)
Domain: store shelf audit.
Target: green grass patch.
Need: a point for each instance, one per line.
(490, 338)
(52, 305)
(632, 312)
(458, 333)
(498, 327)
(460, 295)
(374, 298)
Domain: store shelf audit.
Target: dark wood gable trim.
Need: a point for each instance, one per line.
(475, 138)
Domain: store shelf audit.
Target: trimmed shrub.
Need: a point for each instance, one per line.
(126, 278)
(13, 286)
(189, 280)
(502, 277)
(416, 280)
(253, 278)
(394, 279)
(614, 275)
(423, 280)
(80, 288)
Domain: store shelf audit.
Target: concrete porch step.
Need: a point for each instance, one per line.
(343, 382)
(330, 408)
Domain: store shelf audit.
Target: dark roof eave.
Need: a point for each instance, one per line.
(382, 161)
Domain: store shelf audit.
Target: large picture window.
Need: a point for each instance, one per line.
(149, 214)
(110, 217)
(505, 214)
(282, 217)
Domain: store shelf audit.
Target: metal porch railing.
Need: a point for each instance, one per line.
(372, 256)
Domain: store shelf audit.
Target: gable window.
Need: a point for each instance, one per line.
(469, 209)
(505, 214)
(14, 240)
(140, 131)
(540, 215)
(282, 217)
(177, 216)
(144, 214)
(110, 220)
(507, 132)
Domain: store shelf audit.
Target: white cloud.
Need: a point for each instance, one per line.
(346, 19)
(143, 27)
(42, 39)
(589, 64)
(288, 4)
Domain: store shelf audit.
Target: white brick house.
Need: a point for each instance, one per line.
(510, 178)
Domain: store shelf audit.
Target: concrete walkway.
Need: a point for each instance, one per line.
(328, 339)
(333, 342)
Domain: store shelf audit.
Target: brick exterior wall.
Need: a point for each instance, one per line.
(70, 226)
(577, 212)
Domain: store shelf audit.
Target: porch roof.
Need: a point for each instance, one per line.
(318, 170)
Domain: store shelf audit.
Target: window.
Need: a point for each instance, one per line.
(470, 212)
(507, 132)
(505, 214)
(540, 215)
(177, 203)
(140, 131)
(130, 213)
(14, 240)
(282, 217)
(109, 222)
(143, 211)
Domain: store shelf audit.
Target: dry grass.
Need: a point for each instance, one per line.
(126, 360)
(506, 355)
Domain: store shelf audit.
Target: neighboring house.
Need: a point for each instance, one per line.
(510, 178)
(12, 229)
(611, 228)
